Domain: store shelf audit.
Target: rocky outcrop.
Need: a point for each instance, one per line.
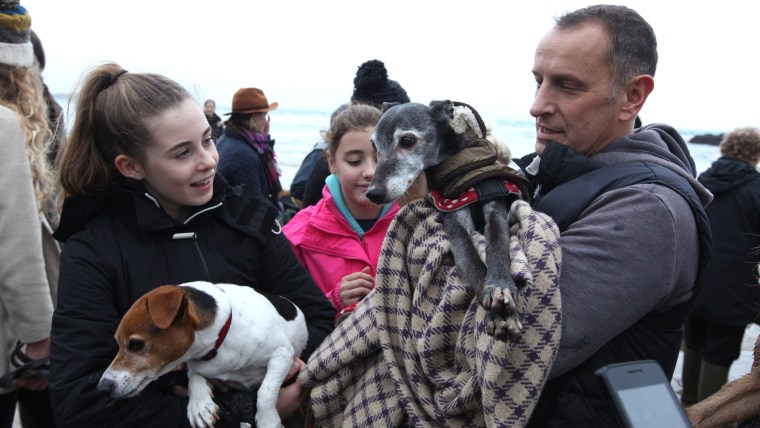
(711, 139)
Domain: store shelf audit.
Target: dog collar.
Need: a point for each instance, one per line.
(222, 334)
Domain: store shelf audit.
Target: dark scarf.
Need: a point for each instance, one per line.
(264, 146)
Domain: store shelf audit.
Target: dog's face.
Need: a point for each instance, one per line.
(153, 336)
(408, 139)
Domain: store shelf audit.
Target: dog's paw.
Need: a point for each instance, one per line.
(202, 413)
(503, 321)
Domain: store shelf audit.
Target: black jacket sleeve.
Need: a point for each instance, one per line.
(282, 274)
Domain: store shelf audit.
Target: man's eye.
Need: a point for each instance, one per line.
(406, 142)
(135, 345)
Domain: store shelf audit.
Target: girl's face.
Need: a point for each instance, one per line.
(354, 163)
(179, 167)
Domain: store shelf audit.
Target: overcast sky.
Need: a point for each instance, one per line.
(304, 54)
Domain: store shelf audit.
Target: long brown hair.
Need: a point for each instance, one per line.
(21, 91)
(110, 120)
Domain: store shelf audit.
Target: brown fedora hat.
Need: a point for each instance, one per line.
(250, 100)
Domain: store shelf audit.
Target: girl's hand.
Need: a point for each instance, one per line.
(354, 286)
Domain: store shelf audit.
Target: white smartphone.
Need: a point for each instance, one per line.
(642, 395)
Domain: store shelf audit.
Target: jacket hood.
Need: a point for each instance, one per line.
(660, 144)
(726, 174)
(333, 187)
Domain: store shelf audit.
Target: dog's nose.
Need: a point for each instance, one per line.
(376, 195)
(106, 386)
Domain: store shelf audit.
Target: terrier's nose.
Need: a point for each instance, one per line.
(376, 195)
(106, 386)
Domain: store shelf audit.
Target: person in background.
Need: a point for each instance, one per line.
(731, 296)
(145, 208)
(214, 121)
(27, 287)
(371, 86)
(246, 150)
(338, 240)
(316, 155)
(56, 120)
(635, 238)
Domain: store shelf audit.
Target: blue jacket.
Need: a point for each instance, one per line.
(241, 165)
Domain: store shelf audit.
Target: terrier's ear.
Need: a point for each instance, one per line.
(387, 106)
(164, 305)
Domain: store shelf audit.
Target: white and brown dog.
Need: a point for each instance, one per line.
(222, 331)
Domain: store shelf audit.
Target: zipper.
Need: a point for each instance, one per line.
(194, 237)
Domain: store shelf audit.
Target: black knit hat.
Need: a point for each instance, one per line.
(372, 85)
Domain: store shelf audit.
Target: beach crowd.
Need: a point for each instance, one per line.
(618, 251)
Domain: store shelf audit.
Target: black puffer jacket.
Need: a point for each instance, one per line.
(120, 245)
(731, 295)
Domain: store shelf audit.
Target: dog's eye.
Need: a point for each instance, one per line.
(135, 345)
(406, 142)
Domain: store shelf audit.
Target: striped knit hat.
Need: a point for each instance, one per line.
(15, 43)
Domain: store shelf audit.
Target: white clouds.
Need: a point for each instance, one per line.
(304, 53)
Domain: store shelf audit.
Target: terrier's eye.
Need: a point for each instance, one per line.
(135, 345)
(406, 142)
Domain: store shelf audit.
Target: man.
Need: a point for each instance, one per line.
(634, 235)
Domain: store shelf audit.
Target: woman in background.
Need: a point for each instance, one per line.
(26, 286)
(214, 121)
(145, 207)
(339, 238)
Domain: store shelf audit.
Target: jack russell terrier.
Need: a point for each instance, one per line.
(208, 327)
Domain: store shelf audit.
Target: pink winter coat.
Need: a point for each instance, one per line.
(323, 240)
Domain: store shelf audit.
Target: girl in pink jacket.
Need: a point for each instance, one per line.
(338, 240)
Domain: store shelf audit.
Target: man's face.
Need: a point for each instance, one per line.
(575, 104)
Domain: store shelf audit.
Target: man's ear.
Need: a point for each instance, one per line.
(636, 93)
(129, 167)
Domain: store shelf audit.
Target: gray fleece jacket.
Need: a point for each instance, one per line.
(631, 252)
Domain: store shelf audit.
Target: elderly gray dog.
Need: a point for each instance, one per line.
(446, 140)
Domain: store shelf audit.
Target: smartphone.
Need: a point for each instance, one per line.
(642, 395)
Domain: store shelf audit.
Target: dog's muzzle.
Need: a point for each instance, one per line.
(376, 195)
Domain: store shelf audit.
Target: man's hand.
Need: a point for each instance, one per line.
(36, 351)
(292, 396)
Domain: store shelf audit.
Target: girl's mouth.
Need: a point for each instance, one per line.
(202, 183)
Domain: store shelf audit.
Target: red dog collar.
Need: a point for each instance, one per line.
(222, 334)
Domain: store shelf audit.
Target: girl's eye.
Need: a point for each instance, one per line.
(208, 141)
(183, 154)
(354, 162)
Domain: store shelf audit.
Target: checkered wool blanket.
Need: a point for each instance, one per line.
(415, 351)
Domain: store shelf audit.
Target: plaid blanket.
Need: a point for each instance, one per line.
(415, 351)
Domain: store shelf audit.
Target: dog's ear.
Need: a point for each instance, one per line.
(164, 304)
(446, 107)
(387, 106)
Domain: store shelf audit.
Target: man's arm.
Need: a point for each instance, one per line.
(632, 250)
